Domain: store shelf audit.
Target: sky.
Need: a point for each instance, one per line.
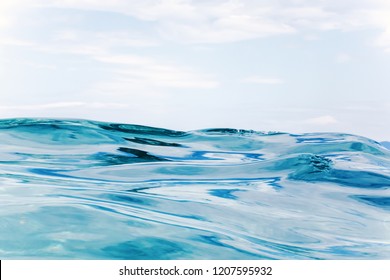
(289, 65)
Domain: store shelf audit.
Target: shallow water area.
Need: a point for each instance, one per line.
(78, 189)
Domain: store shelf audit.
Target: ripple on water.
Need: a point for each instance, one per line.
(78, 189)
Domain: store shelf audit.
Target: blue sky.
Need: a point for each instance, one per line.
(294, 66)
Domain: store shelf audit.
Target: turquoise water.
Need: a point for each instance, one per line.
(76, 189)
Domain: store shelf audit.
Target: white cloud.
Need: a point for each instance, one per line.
(343, 58)
(59, 105)
(228, 21)
(124, 59)
(383, 20)
(105, 39)
(4, 21)
(83, 42)
(230, 28)
(263, 80)
(6, 10)
(130, 71)
(43, 66)
(312, 37)
(7, 41)
(146, 71)
(323, 120)
(218, 21)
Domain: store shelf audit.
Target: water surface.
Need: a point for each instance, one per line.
(77, 189)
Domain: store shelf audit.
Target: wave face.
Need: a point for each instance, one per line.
(76, 189)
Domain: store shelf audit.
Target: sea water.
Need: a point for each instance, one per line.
(78, 189)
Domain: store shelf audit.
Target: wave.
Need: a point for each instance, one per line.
(79, 189)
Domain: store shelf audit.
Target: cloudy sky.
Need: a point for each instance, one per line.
(287, 65)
